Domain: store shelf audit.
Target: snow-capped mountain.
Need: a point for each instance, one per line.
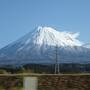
(41, 46)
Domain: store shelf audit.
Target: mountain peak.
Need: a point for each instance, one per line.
(52, 37)
(44, 28)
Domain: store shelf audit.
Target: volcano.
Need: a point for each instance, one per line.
(41, 47)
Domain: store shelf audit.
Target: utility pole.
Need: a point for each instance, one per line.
(57, 71)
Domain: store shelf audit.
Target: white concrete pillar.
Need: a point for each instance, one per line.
(30, 83)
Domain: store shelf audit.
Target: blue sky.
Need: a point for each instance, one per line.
(18, 17)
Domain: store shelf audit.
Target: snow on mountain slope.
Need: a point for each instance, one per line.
(87, 45)
(51, 37)
(39, 46)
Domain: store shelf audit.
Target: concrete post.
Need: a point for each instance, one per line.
(30, 83)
